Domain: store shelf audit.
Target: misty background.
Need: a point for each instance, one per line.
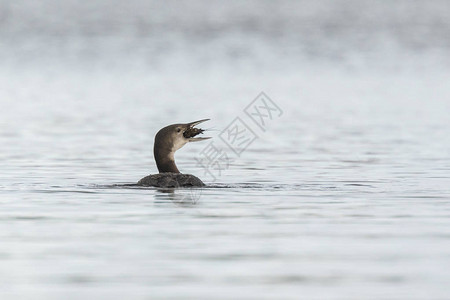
(345, 196)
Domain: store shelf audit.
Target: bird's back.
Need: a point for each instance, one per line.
(171, 180)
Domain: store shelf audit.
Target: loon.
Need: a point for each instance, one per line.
(167, 141)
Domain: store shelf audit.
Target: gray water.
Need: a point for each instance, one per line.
(344, 196)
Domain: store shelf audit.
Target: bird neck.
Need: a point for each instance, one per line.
(165, 160)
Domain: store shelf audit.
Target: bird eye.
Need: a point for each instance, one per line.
(178, 129)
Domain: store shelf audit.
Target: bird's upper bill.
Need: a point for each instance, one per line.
(190, 132)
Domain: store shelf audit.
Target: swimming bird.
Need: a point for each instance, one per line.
(167, 141)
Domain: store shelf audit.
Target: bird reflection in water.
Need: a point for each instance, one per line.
(179, 196)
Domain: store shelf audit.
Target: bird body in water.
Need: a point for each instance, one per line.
(167, 141)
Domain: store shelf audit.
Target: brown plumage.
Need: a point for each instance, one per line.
(167, 141)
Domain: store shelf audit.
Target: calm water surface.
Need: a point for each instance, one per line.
(345, 196)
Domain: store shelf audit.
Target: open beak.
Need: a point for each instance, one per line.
(191, 131)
